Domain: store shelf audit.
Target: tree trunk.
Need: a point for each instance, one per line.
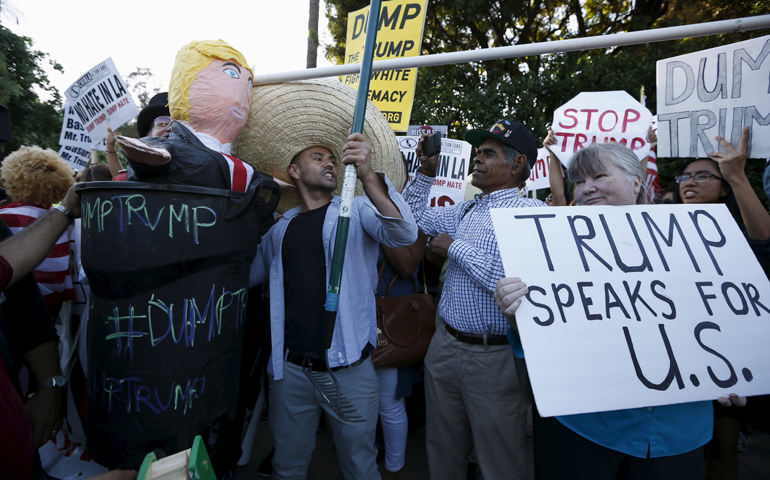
(312, 34)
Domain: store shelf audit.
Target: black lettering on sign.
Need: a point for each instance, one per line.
(580, 240)
(673, 369)
(669, 240)
(587, 301)
(540, 234)
(706, 242)
(645, 265)
(657, 283)
(559, 302)
(633, 297)
(549, 320)
(616, 303)
(733, 379)
(753, 294)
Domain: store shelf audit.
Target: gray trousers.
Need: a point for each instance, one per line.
(295, 408)
(473, 388)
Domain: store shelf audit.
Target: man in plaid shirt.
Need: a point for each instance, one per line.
(473, 383)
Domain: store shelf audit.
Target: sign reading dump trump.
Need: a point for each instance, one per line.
(636, 306)
(600, 117)
(449, 186)
(100, 99)
(715, 92)
(399, 34)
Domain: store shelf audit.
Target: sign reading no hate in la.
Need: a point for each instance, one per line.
(636, 306)
(449, 186)
(100, 99)
(399, 34)
(715, 92)
(75, 143)
(600, 117)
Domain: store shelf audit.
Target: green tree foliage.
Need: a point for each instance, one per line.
(530, 89)
(33, 121)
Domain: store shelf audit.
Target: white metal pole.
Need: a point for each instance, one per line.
(531, 49)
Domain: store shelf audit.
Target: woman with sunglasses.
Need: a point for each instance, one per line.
(722, 179)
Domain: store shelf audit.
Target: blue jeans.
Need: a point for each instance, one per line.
(295, 408)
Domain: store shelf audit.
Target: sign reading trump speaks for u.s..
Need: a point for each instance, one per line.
(715, 92)
(636, 306)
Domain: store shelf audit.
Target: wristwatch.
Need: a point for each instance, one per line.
(65, 211)
(57, 381)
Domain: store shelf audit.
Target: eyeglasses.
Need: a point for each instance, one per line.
(162, 122)
(698, 177)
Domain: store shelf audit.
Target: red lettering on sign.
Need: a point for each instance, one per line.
(627, 119)
(579, 139)
(601, 123)
(637, 143)
(566, 136)
(567, 114)
(589, 111)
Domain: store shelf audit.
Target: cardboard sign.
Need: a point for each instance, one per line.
(600, 117)
(100, 99)
(538, 177)
(77, 157)
(449, 186)
(715, 92)
(399, 34)
(417, 130)
(636, 306)
(73, 133)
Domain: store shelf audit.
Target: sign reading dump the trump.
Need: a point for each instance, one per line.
(399, 35)
(715, 92)
(636, 306)
(602, 117)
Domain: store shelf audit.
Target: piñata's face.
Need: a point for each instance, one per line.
(219, 100)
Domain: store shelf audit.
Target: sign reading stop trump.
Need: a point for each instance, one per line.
(601, 117)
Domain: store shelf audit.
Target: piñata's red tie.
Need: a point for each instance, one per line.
(239, 174)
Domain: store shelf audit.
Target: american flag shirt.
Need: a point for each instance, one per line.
(467, 301)
(53, 274)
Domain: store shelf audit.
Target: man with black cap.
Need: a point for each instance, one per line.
(473, 384)
(153, 121)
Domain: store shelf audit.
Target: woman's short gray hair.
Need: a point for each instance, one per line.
(598, 156)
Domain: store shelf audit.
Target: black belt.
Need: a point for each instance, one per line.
(317, 365)
(477, 338)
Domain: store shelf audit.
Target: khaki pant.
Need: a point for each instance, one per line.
(478, 389)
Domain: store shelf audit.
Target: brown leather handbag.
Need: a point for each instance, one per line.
(405, 327)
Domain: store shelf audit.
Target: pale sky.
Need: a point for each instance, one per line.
(271, 34)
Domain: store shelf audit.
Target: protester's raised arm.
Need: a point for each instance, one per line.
(732, 165)
(555, 174)
(25, 250)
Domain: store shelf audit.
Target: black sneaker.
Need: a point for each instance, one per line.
(266, 467)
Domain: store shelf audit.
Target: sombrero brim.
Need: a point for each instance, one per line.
(287, 118)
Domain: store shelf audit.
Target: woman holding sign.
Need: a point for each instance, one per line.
(640, 443)
(722, 179)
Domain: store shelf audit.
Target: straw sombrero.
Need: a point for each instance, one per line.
(287, 118)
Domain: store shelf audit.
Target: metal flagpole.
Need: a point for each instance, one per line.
(532, 49)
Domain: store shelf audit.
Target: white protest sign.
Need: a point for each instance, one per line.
(100, 99)
(73, 133)
(636, 306)
(600, 117)
(449, 185)
(538, 177)
(715, 92)
(77, 157)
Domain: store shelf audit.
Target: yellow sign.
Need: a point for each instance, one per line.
(399, 34)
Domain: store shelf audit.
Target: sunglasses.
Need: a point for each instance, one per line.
(698, 177)
(162, 122)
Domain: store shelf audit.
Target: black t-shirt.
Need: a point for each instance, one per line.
(304, 283)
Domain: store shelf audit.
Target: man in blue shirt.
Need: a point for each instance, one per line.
(295, 256)
(473, 383)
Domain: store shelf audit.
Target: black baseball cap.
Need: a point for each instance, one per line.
(157, 107)
(510, 133)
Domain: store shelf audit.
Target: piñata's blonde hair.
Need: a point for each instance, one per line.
(190, 60)
(34, 175)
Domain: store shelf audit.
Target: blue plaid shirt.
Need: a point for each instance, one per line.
(467, 302)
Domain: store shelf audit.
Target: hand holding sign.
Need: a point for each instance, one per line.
(508, 294)
(732, 163)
